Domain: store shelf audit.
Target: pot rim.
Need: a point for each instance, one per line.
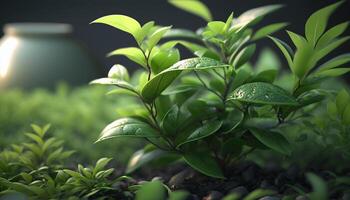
(37, 28)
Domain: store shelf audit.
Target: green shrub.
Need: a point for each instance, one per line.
(215, 108)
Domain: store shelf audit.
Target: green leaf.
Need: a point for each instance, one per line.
(193, 6)
(156, 36)
(302, 62)
(127, 127)
(101, 164)
(143, 157)
(335, 62)
(244, 56)
(204, 131)
(151, 191)
(204, 163)
(133, 53)
(298, 40)
(171, 121)
(273, 140)
(286, 50)
(263, 93)
(346, 115)
(317, 23)
(188, 45)
(330, 47)
(180, 33)
(319, 187)
(164, 59)
(217, 27)
(228, 22)
(118, 72)
(332, 72)
(258, 193)
(342, 101)
(161, 81)
(267, 30)
(121, 22)
(251, 16)
(331, 34)
(111, 81)
(144, 31)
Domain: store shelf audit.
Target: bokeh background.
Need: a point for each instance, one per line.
(102, 39)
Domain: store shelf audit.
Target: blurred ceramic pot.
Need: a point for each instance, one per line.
(41, 54)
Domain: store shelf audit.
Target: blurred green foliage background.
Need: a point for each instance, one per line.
(77, 116)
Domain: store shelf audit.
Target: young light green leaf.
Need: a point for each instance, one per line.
(317, 22)
(244, 56)
(180, 33)
(101, 164)
(118, 72)
(273, 140)
(132, 53)
(228, 23)
(303, 61)
(144, 31)
(330, 47)
(127, 127)
(267, 30)
(331, 34)
(119, 83)
(335, 62)
(193, 6)
(156, 36)
(298, 40)
(121, 22)
(251, 16)
(332, 72)
(217, 27)
(286, 50)
(263, 93)
(161, 81)
(204, 163)
(204, 131)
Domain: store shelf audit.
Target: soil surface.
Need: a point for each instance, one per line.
(242, 179)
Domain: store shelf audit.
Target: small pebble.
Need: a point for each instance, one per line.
(240, 190)
(270, 198)
(301, 197)
(230, 185)
(157, 178)
(214, 195)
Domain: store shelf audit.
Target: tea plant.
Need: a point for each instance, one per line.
(215, 108)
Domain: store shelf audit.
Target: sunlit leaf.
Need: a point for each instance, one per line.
(193, 6)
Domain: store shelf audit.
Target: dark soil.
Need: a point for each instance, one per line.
(242, 179)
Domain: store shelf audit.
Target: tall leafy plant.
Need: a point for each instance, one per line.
(214, 109)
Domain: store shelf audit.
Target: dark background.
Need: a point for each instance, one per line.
(102, 39)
